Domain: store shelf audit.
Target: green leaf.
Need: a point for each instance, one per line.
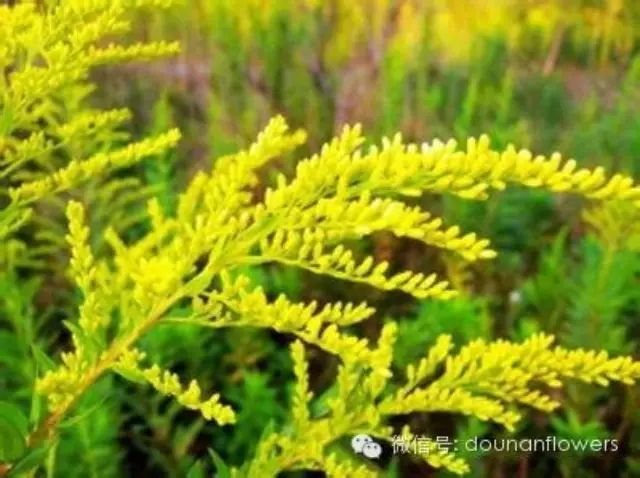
(12, 443)
(37, 402)
(198, 283)
(131, 375)
(84, 414)
(222, 469)
(6, 119)
(9, 349)
(196, 471)
(28, 462)
(43, 361)
(14, 415)
(14, 428)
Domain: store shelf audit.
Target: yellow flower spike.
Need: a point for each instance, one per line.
(78, 238)
(79, 171)
(306, 220)
(168, 383)
(47, 51)
(302, 395)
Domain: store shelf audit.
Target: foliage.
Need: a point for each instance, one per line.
(50, 139)
(331, 290)
(302, 222)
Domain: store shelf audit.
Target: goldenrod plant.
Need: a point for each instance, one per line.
(51, 139)
(585, 293)
(185, 271)
(371, 285)
(55, 143)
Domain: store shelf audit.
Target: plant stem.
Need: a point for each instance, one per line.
(47, 427)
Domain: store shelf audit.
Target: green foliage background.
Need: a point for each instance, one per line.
(531, 76)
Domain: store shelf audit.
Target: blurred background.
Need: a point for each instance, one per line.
(549, 75)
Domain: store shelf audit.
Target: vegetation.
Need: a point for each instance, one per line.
(174, 302)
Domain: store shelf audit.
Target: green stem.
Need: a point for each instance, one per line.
(47, 428)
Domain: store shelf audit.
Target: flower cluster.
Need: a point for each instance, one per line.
(339, 194)
(51, 140)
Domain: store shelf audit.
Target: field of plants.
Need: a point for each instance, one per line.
(307, 238)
